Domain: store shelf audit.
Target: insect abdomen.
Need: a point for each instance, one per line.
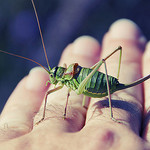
(97, 85)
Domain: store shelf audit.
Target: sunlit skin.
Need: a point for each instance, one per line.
(85, 129)
(87, 81)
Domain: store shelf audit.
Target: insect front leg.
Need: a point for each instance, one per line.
(45, 102)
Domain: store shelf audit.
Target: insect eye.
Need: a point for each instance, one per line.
(51, 75)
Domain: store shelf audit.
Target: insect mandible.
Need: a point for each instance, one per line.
(87, 81)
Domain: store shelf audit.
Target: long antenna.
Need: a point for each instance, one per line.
(24, 58)
(37, 19)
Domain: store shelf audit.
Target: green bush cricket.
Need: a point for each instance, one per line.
(87, 81)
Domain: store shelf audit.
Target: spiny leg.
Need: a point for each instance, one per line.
(119, 48)
(45, 102)
(120, 55)
(65, 112)
(108, 89)
(95, 68)
(109, 95)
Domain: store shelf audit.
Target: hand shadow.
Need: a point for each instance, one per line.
(133, 109)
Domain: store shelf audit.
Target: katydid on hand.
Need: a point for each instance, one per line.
(87, 81)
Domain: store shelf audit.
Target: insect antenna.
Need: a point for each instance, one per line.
(24, 58)
(37, 19)
(49, 68)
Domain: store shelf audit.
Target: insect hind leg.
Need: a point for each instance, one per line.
(108, 89)
(120, 55)
(95, 68)
(109, 95)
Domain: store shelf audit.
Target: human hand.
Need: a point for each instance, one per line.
(92, 128)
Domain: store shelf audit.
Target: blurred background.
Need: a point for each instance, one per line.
(62, 21)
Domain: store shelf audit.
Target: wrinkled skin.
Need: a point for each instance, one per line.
(84, 129)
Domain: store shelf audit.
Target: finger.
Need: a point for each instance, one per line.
(146, 71)
(17, 116)
(127, 103)
(84, 52)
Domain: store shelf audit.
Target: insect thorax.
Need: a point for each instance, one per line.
(56, 74)
(63, 75)
(66, 76)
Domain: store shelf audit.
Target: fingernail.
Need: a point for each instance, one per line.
(126, 29)
(36, 80)
(87, 46)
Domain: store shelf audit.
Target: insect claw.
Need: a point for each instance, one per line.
(114, 119)
(119, 121)
(64, 116)
(39, 121)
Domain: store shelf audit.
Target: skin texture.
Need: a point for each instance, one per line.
(84, 129)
